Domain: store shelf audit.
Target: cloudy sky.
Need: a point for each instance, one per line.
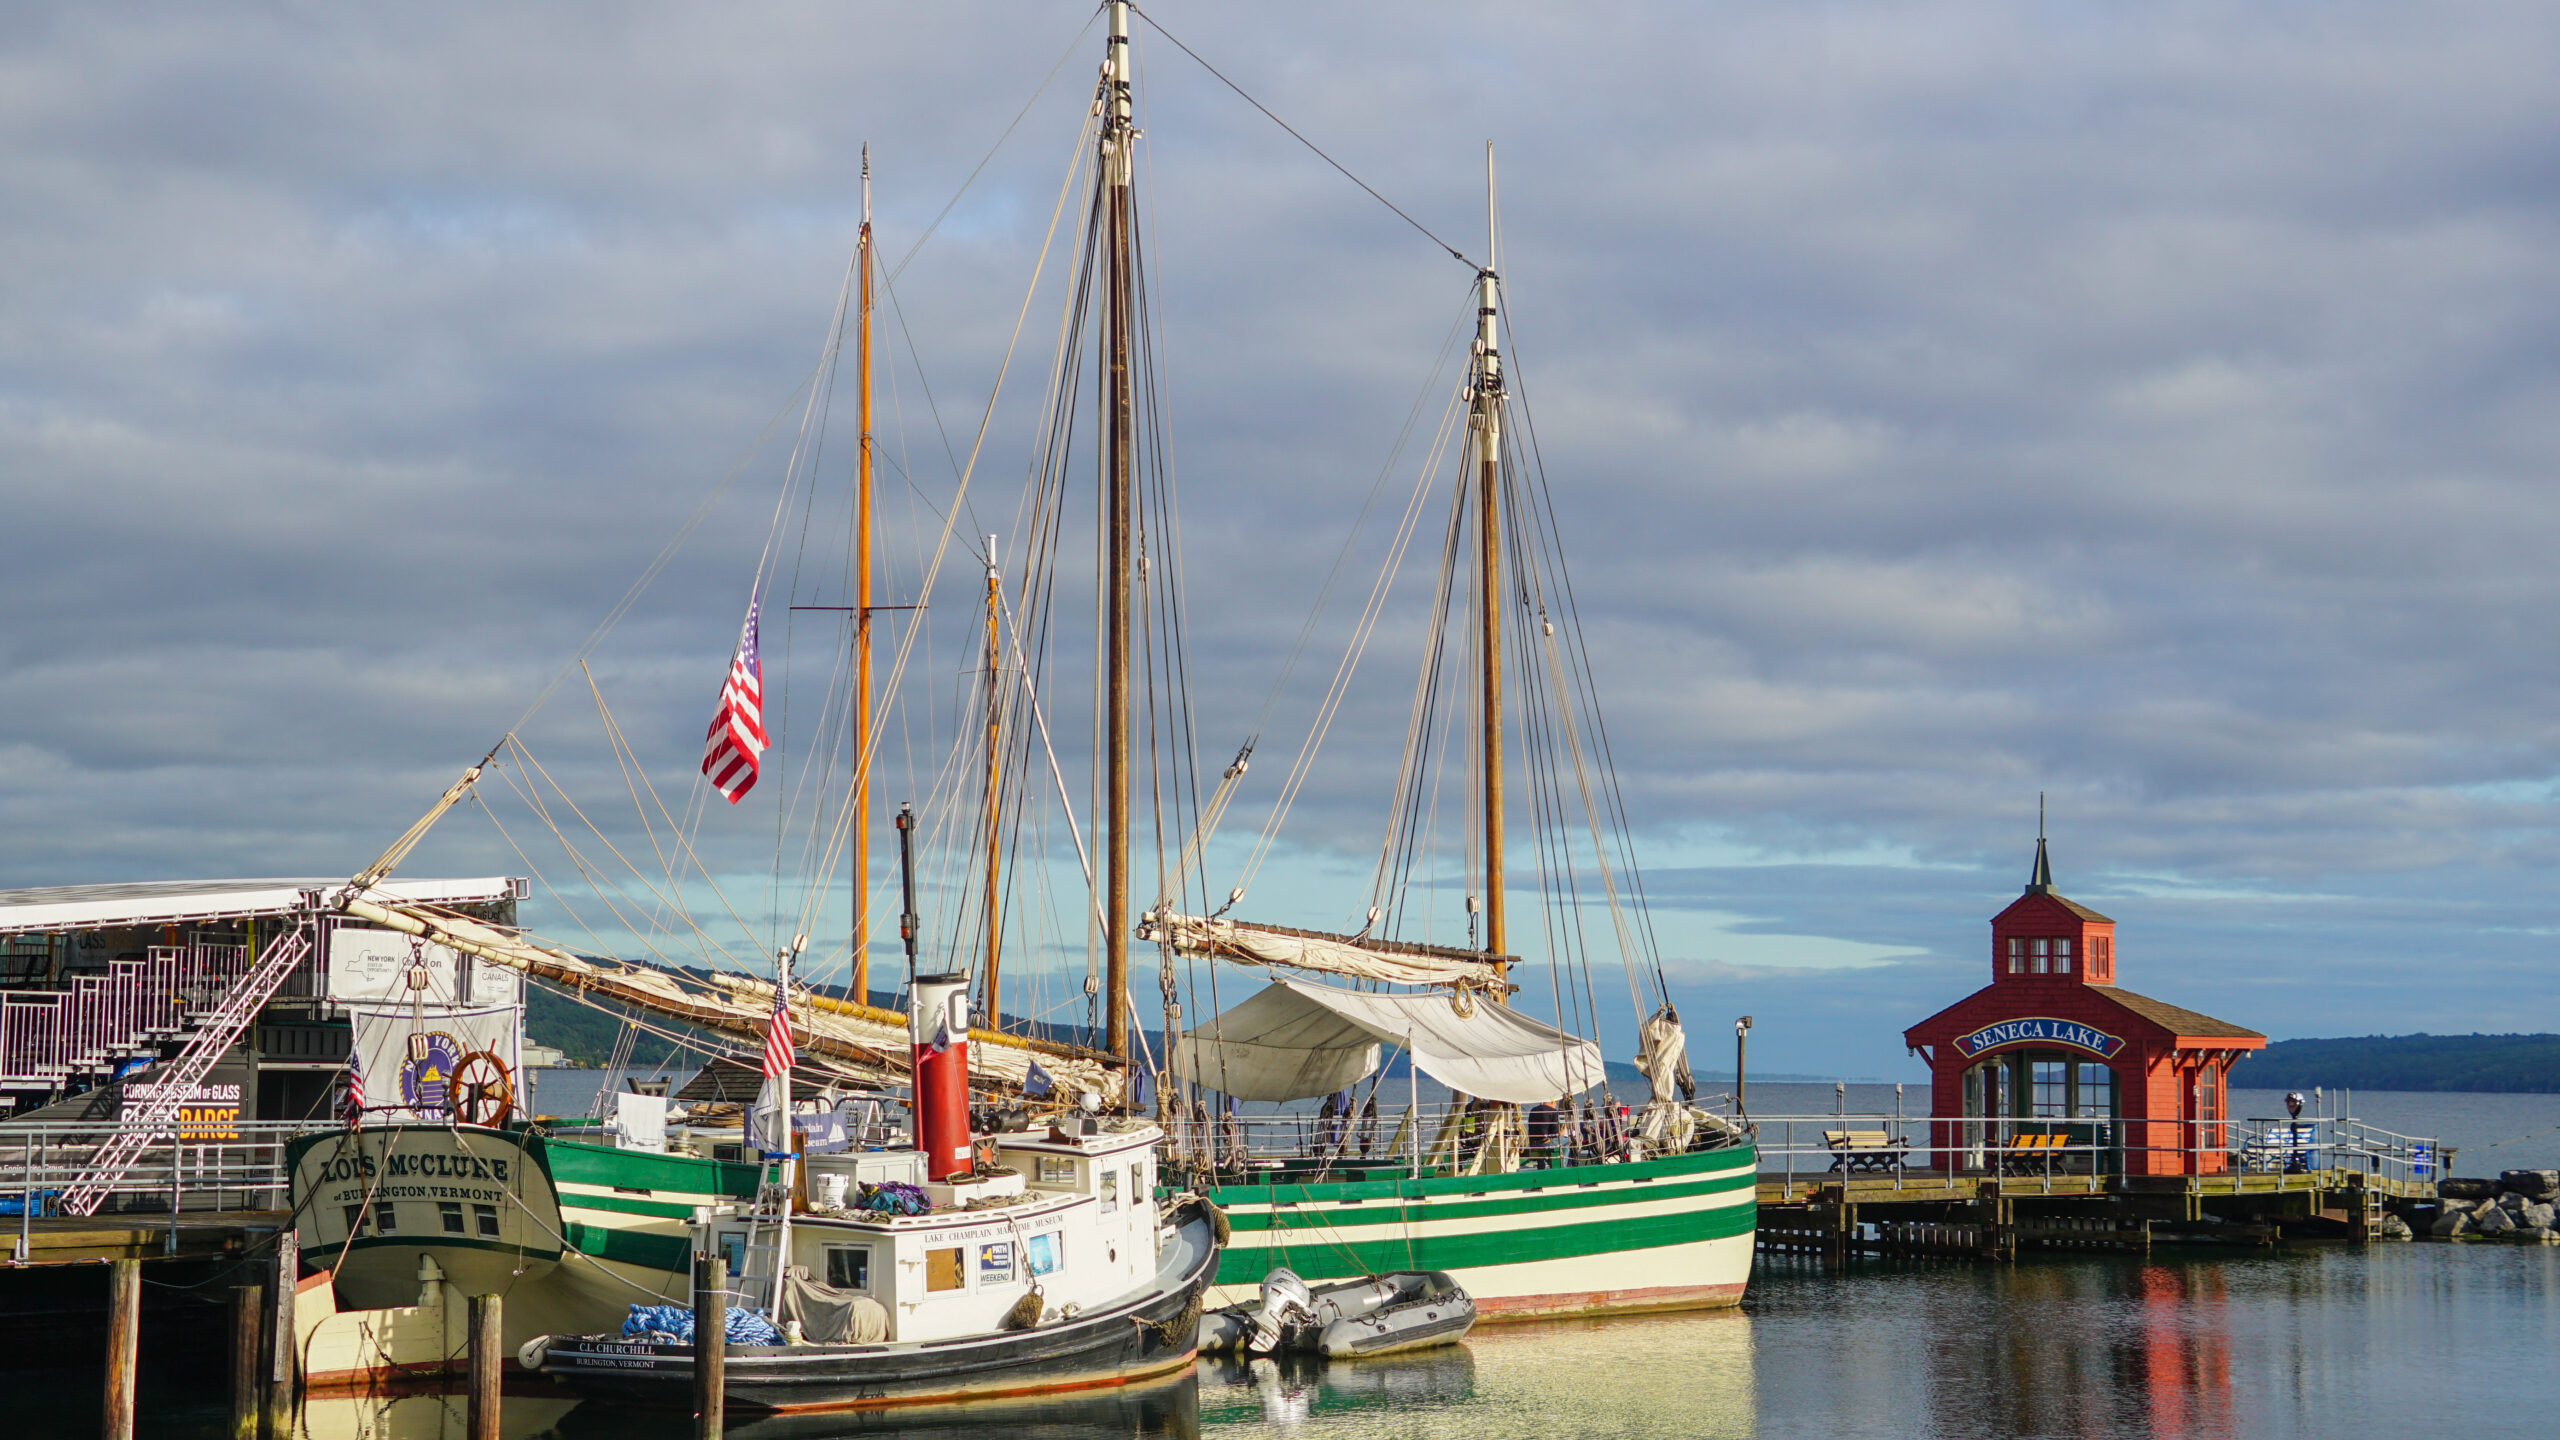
(1945, 403)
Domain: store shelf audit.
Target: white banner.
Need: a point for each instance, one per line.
(375, 965)
(407, 1057)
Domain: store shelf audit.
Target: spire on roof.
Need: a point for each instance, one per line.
(2041, 882)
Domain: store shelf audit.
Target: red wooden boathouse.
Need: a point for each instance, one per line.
(2054, 1047)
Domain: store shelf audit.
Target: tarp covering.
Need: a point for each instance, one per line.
(1260, 945)
(1296, 1039)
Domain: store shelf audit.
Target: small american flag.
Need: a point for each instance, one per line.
(355, 1087)
(736, 740)
(777, 1036)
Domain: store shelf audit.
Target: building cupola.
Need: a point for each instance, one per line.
(2044, 938)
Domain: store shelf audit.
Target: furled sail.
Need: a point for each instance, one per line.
(864, 1038)
(1392, 962)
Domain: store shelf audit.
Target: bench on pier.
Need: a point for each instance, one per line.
(1856, 1150)
(2032, 1154)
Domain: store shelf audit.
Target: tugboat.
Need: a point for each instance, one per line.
(1037, 1260)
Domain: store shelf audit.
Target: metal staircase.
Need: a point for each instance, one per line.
(219, 1032)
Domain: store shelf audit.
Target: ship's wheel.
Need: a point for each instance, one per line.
(481, 1091)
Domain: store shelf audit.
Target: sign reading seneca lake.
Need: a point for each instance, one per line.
(2055, 1032)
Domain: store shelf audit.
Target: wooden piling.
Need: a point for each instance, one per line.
(124, 1329)
(248, 1309)
(710, 1337)
(282, 1363)
(488, 1354)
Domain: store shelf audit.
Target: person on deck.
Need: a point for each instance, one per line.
(1543, 1125)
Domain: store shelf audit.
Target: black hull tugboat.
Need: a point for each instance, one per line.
(1151, 1332)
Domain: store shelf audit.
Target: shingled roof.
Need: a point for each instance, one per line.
(2176, 1019)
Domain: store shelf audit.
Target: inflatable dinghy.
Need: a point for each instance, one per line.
(1378, 1315)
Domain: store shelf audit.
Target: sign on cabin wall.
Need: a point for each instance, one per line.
(2044, 1029)
(375, 965)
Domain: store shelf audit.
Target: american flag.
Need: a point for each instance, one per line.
(777, 1036)
(355, 1087)
(730, 751)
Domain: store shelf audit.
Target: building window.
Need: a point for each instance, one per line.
(451, 1211)
(2017, 956)
(2097, 1092)
(2062, 957)
(2041, 955)
(943, 1270)
(2210, 1107)
(487, 1217)
(849, 1267)
(2049, 1079)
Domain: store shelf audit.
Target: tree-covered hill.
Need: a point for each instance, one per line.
(2516, 1064)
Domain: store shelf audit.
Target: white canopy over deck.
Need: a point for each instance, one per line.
(1296, 1039)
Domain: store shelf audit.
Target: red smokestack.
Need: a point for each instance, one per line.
(938, 1030)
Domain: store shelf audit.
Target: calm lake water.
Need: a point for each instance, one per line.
(2408, 1339)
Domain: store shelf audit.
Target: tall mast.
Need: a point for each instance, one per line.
(1486, 426)
(1118, 134)
(994, 783)
(862, 624)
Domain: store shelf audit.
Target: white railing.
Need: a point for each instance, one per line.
(194, 1168)
(92, 1022)
(1912, 1150)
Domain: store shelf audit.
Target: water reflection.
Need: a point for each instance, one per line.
(427, 1415)
(1169, 1409)
(1655, 1376)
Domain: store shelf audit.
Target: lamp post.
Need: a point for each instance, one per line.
(1741, 1028)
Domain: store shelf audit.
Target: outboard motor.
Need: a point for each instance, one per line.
(1285, 1297)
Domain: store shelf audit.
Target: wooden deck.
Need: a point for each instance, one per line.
(1924, 1187)
(88, 1240)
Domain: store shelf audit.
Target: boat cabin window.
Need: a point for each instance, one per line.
(733, 1244)
(1137, 1182)
(849, 1267)
(384, 1219)
(451, 1213)
(995, 1263)
(943, 1271)
(487, 1218)
(355, 1220)
(1057, 1170)
(1110, 1191)
(1043, 1253)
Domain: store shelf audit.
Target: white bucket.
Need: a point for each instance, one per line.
(831, 1191)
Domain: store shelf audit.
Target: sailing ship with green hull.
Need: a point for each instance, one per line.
(1535, 1190)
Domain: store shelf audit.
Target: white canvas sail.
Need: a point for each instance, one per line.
(1297, 1039)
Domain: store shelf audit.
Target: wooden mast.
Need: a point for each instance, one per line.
(861, 987)
(1486, 425)
(994, 787)
(1118, 134)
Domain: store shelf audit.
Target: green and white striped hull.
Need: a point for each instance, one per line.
(1667, 1234)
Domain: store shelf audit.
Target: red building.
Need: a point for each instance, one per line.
(2053, 1046)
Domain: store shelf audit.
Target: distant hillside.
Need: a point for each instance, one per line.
(2514, 1064)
